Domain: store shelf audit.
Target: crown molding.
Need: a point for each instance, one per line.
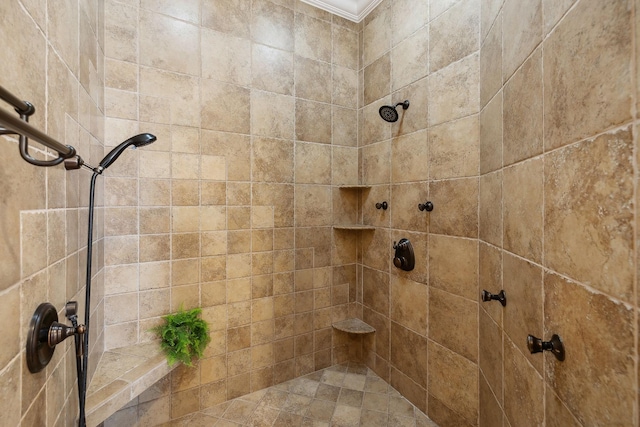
(353, 10)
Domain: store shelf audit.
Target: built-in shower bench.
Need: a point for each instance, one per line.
(122, 374)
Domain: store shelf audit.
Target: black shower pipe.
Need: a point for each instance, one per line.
(82, 371)
(136, 141)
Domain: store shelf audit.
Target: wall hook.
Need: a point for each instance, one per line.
(383, 206)
(428, 206)
(536, 345)
(501, 296)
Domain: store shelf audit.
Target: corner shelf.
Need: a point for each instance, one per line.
(354, 187)
(354, 326)
(353, 227)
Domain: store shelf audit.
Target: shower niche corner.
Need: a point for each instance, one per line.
(359, 188)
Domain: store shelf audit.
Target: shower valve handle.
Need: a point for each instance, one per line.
(59, 332)
(383, 206)
(555, 346)
(428, 206)
(500, 296)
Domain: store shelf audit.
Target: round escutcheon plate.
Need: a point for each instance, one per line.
(38, 351)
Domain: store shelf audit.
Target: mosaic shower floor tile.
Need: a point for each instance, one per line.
(347, 395)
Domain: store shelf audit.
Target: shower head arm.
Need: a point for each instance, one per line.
(405, 104)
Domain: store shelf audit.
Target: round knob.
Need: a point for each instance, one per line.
(428, 206)
(486, 296)
(534, 344)
(383, 205)
(399, 261)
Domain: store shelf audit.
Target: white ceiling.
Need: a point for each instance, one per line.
(353, 10)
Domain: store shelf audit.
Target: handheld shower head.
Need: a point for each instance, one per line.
(389, 112)
(137, 141)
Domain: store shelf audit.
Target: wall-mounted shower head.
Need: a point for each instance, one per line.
(389, 112)
(137, 141)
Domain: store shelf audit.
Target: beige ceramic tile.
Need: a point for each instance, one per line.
(523, 111)
(452, 265)
(343, 132)
(345, 87)
(63, 32)
(228, 16)
(236, 150)
(188, 11)
(404, 204)
(176, 36)
(409, 302)
(453, 381)
(578, 180)
(446, 309)
(438, 7)
(375, 163)
(410, 155)
(272, 69)
(489, 11)
(407, 17)
(491, 61)
(454, 34)
(377, 34)
(224, 105)
(409, 59)
(11, 342)
(312, 121)
(374, 129)
(490, 357)
(572, 109)
(523, 388)
(523, 209)
(312, 37)
(345, 47)
(313, 163)
(415, 118)
(272, 25)
(272, 115)
(454, 149)
(453, 91)
(376, 290)
(589, 311)
(522, 29)
(313, 79)
(522, 284)
(553, 11)
(556, 413)
(343, 165)
(490, 210)
(455, 210)
(226, 58)
(313, 205)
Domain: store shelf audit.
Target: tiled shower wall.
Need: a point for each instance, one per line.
(426, 340)
(558, 230)
(52, 56)
(521, 131)
(255, 107)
